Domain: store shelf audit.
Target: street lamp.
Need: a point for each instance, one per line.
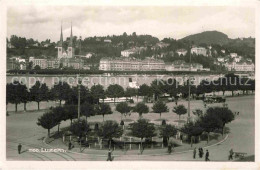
(188, 119)
(79, 83)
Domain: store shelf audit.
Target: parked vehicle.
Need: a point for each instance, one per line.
(218, 99)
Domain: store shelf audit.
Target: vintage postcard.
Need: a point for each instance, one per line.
(148, 82)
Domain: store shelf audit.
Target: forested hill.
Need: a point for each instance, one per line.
(208, 37)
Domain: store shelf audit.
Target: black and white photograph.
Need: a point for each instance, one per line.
(132, 83)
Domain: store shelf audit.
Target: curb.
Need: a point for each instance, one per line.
(146, 154)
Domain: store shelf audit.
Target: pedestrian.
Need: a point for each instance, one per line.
(207, 156)
(200, 152)
(70, 145)
(194, 153)
(19, 148)
(231, 154)
(176, 102)
(142, 150)
(169, 148)
(109, 155)
(237, 113)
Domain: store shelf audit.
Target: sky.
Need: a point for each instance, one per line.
(44, 22)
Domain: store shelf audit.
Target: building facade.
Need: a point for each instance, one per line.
(180, 65)
(38, 61)
(53, 63)
(242, 66)
(199, 51)
(71, 63)
(127, 64)
(181, 52)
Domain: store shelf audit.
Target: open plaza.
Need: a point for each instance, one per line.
(22, 129)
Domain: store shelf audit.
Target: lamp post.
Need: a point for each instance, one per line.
(79, 83)
(188, 119)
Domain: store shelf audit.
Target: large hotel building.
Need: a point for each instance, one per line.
(128, 64)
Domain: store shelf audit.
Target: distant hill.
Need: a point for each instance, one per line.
(208, 37)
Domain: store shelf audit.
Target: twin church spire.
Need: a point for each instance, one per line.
(62, 53)
(61, 37)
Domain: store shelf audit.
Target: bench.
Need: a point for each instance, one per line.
(240, 155)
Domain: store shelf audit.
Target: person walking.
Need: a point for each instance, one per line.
(200, 153)
(194, 153)
(169, 148)
(19, 148)
(70, 145)
(109, 155)
(231, 154)
(207, 156)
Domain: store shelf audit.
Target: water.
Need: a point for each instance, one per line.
(90, 80)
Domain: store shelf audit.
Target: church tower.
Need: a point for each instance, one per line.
(60, 45)
(70, 47)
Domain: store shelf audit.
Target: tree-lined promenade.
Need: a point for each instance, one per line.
(19, 93)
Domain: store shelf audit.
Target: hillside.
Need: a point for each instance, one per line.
(208, 37)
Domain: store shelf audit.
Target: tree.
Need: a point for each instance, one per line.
(171, 87)
(159, 107)
(87, 109)
(130, 92)
(110, 129)
(47, 121)
(17, 93)
(198, 112)
(39, 92)
(60, 91)
(167, 131)
(79, 128)
(142, 129)
(210, 122)
(192, 129)
(37, 67)
(114, 91)
(26, 97)
(180, 110)
(223, 113)
(204, 87)
(71, 112)
(98, 92)
(18, 42)
(30, 65)
(141, 108)
(228, 82)
(145, 90)
(232, 82)
(158, 88)
(103, 109)
(123, 108)
(85, 95)
(59, 115)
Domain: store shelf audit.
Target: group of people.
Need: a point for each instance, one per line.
(236, 113)
(201, 153)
